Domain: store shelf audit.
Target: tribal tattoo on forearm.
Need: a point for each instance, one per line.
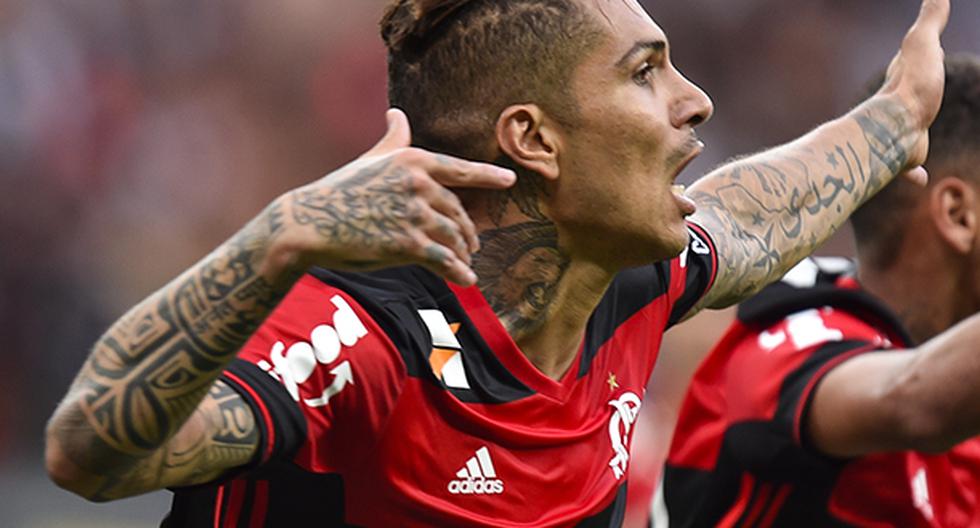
(150, 371)
(767, 212)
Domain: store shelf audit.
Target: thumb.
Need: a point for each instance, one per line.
(918, 176)
(399, 134)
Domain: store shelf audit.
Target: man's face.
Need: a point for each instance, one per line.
(634, 134)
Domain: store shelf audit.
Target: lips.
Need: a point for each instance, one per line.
(685, 204)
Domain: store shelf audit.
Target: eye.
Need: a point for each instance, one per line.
(643, 75)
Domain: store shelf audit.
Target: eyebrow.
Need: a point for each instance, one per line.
(656, 46)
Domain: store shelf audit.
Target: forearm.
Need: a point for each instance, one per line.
(936, 397)
(770, 210)
(146, 376)
(924, 399)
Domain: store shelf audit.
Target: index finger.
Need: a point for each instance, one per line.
(455, 172)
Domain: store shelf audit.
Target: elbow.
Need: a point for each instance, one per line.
(67, 475)
(926, 433)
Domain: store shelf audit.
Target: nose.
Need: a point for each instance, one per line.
(692, 105)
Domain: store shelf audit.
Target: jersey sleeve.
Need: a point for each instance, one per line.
(691, 273)
(320, 376)
(773, 375)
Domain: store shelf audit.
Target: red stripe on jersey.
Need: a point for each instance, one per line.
(777, 504)
(261, 504)
(266, 417)
(236, 496)
(744, 495)
(758, 505)
(805, 397)
(217, 506)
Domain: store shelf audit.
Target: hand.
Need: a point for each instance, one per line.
(916, 77)
(392, 206)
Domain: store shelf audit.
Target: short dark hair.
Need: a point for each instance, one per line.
(954, 143)
(455, 65)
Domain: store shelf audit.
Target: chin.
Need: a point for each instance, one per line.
(665, 246)
(677, 244)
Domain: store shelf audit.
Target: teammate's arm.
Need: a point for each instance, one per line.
(138, 415)
(925, 399)
(768, 211)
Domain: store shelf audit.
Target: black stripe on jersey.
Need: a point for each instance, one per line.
(295, 498)
(611, 517)
(795, 387)
(248, 501)
(757, 489)
(289, 424)
(698, 498)
(702, 267)
(631, 291)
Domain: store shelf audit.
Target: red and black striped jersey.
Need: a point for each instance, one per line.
(396, 399)
(740, 455)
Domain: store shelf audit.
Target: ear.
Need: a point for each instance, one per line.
(529, 138)
(953, 208)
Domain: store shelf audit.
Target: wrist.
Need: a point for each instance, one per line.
(893, 133)
(284, 259)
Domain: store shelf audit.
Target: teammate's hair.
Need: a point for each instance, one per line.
(455, 65)
(954, 149)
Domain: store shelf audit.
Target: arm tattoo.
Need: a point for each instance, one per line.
(357, 211)
(769, 211)
(148, 374)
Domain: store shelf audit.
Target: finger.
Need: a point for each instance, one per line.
(442, 261)
(454, 172)
(933, 16)
(918, 176)
(447, 203)
(444, 231)
(399, 134)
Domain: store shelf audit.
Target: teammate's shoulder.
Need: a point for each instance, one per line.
(820, 283)
(814, 282)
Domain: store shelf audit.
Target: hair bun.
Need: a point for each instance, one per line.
(407, 23)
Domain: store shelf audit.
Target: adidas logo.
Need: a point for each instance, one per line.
(478, 477)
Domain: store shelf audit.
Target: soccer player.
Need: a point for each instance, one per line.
(310, 370)
(840, 402)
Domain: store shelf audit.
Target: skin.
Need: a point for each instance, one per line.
(923, 398)
(601, 202)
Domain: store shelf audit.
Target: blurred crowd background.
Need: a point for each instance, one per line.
(136, 135)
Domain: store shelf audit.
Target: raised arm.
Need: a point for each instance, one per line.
(923, 399)
(768, 211)
(145, 411)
